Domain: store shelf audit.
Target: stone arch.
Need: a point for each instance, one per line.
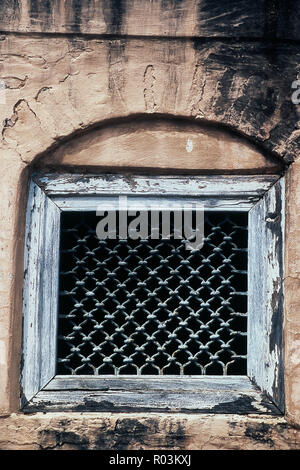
(160, 143)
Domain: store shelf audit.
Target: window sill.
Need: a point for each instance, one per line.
(174, 394)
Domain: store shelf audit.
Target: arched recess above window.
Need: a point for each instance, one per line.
(162, 144)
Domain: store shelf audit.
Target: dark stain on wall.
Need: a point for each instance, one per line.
(243, 17)
(117, 13)
(125, 434)
(282, 19)
(54, 439)
(10, 11)
(76, 10)
(78, 14)
(40, 12)
(33, 10)
(261, 70)
(114, 13)
(167, 4)
(130, 432)
(271, 18)
(289, 19)
(175, 436)
(260, 432)
(176, 10)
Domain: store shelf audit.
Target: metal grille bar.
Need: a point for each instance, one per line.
(147, 307)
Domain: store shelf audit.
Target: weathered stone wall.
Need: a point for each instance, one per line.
(119, 85)
(154, 431)
(58, 86)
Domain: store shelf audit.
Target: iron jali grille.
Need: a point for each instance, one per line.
(152, 307)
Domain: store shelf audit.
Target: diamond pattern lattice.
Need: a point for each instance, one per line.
(151, 306)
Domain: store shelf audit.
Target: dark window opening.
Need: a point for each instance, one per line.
(151, 307)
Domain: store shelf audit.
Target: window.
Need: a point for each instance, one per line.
(122, 324)
(150, 306)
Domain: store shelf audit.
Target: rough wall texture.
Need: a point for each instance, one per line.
(57, 86)
(154, 431)
(102, 75)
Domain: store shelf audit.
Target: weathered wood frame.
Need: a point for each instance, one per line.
(259, 392)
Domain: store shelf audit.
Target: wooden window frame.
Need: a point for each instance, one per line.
(261, 391)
